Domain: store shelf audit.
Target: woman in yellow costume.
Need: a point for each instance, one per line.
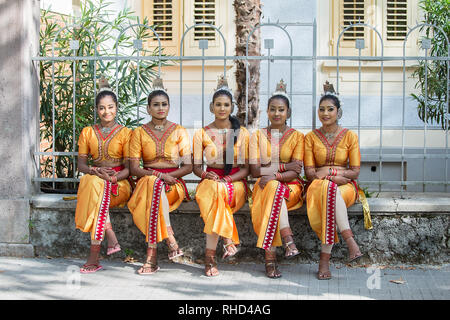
(223, 190)
(276, 159)
(103, 185)
(332, 164)
(165, 150)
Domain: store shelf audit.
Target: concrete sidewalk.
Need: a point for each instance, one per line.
(57, 278)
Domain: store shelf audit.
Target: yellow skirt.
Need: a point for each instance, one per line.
(146, 206)
(321, 205)
(218, 202)
(94, 198)
(266, 207)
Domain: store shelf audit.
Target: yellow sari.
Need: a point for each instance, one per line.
(321, 194)
(168, 152)
(95, 196)
(218, 201)
(267, 202)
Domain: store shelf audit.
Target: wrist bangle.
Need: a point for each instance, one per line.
(203, 175)
(228, 179)
(278, 176)
(282, 167)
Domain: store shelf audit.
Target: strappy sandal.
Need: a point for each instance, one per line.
(116, 247)
(324, 267)
(271, 265)
(228, 254)
(150, 264)
(354, 252)
(286, 235)
(92, 267)
(174, 250)
(210, 263)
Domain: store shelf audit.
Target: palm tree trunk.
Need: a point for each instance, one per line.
(248, 15)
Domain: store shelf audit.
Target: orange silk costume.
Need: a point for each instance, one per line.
(267, 202)
(95, 195)
(168, 152)
(320, 195)
(218, 201)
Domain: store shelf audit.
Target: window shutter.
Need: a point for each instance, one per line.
(353, 11)
(162, 18)
(204, 11)
(396, 19)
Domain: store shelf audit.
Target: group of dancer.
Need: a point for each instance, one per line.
(223, 155)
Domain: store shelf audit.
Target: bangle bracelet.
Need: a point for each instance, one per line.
(228, 179)
(282, 167)
(278, 176)
(204, 173)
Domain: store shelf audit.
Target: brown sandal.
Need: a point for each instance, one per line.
(354, 252)
(151, 265)
(289, 245)
(210, 263)
(324, 267)
(271, 265)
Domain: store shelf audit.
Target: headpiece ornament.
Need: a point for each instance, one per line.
(157, 85)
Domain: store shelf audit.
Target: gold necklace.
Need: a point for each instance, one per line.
(106, 130)
(329, 135)
(159, 127)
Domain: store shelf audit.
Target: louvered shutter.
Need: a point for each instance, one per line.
(396, 19)
(162, 18)
(204, 11)
(353, 11)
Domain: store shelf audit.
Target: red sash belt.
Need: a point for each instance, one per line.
(179, 180)
(221, 172)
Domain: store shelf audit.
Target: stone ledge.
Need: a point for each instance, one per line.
(386, 205)
(17, 250)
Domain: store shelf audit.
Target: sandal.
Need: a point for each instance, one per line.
(174, 250)
(210, 263)
(87, 268)
(110, 234)
(114, 249)
(324, 267)
(150, 266)
(354, 252)
(227, 253)
(271, 266)
(288, 240)
(90, 267)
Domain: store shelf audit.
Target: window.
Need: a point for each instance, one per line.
(162, 17)
(390, 17)
(165, 15)
(204, 11)
(396, 19)
(172, 16)
(353, 11)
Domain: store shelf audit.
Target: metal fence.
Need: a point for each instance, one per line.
(380, 155)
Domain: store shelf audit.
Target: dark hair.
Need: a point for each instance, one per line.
(235, 126)
(103, 94)
(331, 97)
(156, 93)
(279, 96)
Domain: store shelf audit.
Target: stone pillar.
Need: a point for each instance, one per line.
(19, 102)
